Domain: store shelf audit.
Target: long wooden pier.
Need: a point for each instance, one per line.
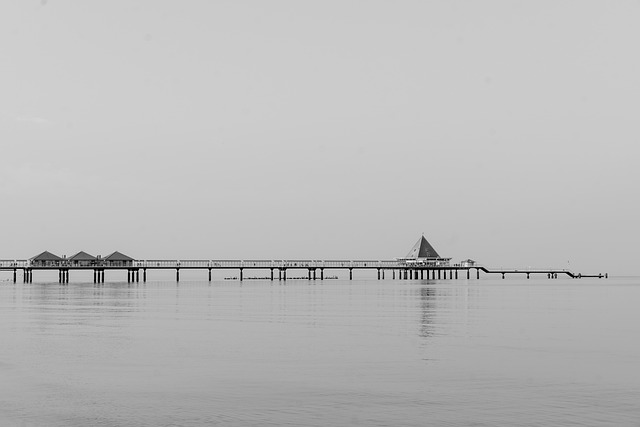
(314, 268)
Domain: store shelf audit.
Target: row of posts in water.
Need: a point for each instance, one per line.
(133, 275)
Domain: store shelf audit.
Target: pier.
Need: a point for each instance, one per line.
(422, 263)
(278, 269)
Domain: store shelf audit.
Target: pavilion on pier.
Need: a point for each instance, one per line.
(45, 259)
(423, 254)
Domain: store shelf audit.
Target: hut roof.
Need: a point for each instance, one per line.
(82, 256)
(422, 249)
(117, 256)
(46, 256)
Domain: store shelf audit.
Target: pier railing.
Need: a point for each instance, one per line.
(192, 263)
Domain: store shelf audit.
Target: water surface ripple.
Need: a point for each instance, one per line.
(350, 353)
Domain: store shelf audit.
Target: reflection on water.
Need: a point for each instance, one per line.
(487, 352)
(427, 306)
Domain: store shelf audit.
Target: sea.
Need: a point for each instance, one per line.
(366, 352)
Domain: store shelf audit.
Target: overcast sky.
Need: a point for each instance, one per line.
(506, 131)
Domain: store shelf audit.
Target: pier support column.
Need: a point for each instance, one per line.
(382, 274)
(15, 275)
(467, 274)
(314, 274)
(95, 276)
(144, 275)
(271, 274)
(478, 273)
(102, 275)
(177, 274)
(378, 274)
(421, 274)
(209, 274)
(503, 275)
(322, 274)
(438, 274)
(393, 274)
(456, 274)
(59, 276)
(351, 274)
(284, 274)
(137, 275)
(279, 274)
(241, 270)
(528, 275)
(128, 275)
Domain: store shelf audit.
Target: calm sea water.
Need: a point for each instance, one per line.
(491, 352)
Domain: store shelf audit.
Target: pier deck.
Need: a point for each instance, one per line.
(402, 269)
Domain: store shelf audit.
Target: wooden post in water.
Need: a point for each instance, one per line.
(177, 274)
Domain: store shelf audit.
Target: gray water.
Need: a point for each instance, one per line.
(389, 353)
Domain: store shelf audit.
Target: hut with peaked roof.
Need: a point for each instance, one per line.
(82, 259)
(46, 259)
(118, 259)
(424, 254)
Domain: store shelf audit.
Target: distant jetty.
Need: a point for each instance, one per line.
(421, 263)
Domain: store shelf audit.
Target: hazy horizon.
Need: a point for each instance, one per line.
(505, 132)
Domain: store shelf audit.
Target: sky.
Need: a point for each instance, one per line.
(506, 132)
